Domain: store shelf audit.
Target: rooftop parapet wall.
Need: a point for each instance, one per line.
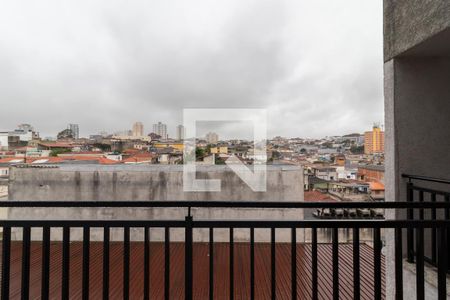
(408, 23)
(284, 183)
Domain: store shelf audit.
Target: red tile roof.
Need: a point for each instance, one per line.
(56, 145)
(84, 153)
(376, 186)
(44, 160)
(139, 157)
(11, 159)
(106, 161)
(101, 160)
(316, 196)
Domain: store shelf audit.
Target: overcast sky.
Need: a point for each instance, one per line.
(315, 65)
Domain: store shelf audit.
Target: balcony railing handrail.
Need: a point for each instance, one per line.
(228, 204)
(230, 223)
(416, 226)
(426, 178)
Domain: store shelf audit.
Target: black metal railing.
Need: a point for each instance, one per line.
(417, 192)
(189, 224)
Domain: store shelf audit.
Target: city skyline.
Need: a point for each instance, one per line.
(202, 131)
(95, 69)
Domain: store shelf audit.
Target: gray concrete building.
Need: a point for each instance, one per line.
(148, 183)
(417, 104)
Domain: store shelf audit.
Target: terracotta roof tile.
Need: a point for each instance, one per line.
(376, 186)
(316, 196)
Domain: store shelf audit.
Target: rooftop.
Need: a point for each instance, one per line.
(372, 167)
(201, 270)
(316, 196)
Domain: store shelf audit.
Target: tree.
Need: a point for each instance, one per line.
(199, 153)
(218, 160)
(208, 148)
(57, 151)
(276, 155)
(357, 149)
(65, 134)
(327, 145)
(103, 147)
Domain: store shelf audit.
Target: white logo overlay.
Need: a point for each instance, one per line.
(254, 176)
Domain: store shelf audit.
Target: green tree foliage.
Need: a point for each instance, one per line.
(357, 149)
(199, 153)
(55, 152)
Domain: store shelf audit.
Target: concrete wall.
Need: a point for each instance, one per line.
(284, 183)
(407, 23)
(417, 104)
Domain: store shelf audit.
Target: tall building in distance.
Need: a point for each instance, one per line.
(161, 130)
(75, 130)
(212, 138)
(374, 140)
(138, 129)
(180, 132)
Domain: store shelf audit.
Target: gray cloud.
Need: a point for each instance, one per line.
(315, 65)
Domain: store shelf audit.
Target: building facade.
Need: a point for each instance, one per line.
(75, 130)
(212, 138)
(161, 130)
(4, 144)
(374, 140)
(180, 132)
(370, 173)
(138, 129)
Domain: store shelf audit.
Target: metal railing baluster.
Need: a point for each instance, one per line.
(211, 263)
(356, 265)
(146, 263)
(252, 263)
(188, 258)
(335, 246)
(126, 262)
(273, 263)
(442, 262)
(25, 286)
(231, 263)
(45, 262)
(377, 262)
(6, 261)
(65, 263)
(106, 233)
(398, 264)
(166, 263)
(314, 264)
(86, 260)
(294, 262)
(420, 282)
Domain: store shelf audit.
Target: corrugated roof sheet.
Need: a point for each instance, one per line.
(201, 269)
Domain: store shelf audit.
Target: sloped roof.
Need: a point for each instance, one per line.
(56, 145)
(376, 186)
(316, 196)
(9, 160)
